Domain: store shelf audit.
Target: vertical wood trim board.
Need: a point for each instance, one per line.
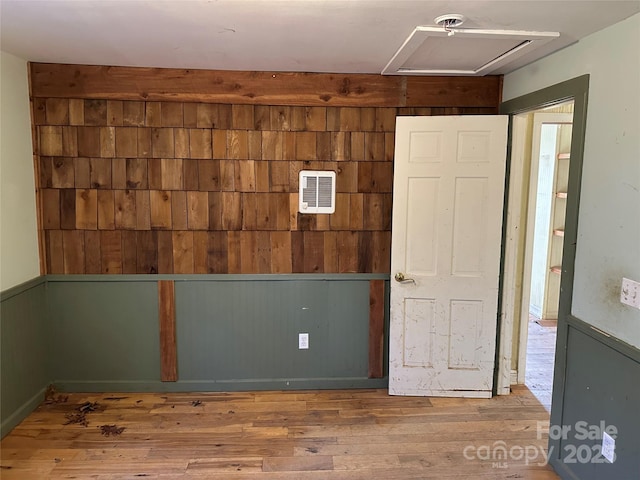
(167, 314)
(376, 328)
(35, 142)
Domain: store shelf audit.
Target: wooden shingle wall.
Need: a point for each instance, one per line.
(139, 186)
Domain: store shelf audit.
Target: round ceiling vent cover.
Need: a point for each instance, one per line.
(450, 20)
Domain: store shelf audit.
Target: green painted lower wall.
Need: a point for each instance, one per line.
(601, 387)
(247, 331)
(25, 362)
(233, 332)
(104, 333)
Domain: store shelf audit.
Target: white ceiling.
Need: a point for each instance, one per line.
(339, 36)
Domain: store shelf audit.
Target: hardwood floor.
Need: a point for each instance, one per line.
(345, 434)
(541, 346)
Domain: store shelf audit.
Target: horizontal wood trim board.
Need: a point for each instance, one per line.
(261, 88)
(167, 313)
(376, 328)
(226, 277)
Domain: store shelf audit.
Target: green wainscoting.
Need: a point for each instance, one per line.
(25, 368)
(245, 333)
(105, 334)
(234, 332)
(87, 333)
(601, 387)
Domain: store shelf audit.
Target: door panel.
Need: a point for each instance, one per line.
(447, 226)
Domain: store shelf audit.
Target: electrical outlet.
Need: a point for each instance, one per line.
(630, 293)
(303, 341)
(608, 447)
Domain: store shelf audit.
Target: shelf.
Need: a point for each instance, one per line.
(556, 269)
(564, 156)
(561, 194)
(558, 232)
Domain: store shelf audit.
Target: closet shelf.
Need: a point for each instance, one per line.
(558, 232)
(561, 194)
(556, 269)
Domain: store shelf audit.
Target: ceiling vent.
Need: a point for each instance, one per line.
(449, 50)
(317, 192)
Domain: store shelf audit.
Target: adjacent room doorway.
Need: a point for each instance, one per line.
(549, 157)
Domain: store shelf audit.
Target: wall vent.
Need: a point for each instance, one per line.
(317, 192)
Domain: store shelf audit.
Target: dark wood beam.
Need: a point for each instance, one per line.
(261, 88)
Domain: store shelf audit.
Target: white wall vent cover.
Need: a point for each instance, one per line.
(317, 192)
(475, 52)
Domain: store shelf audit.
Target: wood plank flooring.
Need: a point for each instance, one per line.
(340, 435)
(541, 345)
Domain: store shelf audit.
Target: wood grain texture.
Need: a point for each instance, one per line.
(280, 435)
(197, 187)
(160, 204)
(376, 328)
(167, 318)
(183, 261)
(111, 248)
(130, 255)
(67, 209)
(125, 209)
(73, 244)
(217, 257)
(92, 252)
(55, 251)
(106, 210)
(87, 209)
(453, 92)
(255, 88)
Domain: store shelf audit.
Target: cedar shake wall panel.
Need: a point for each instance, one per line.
(119, 173)
(50, 209)
(82, 170)
(106, 210)
(55, 249)
(200, 252)
(111, 243)
(129, 251)
(115, 113)
(92, 253)
(190, 175)
(181, 139)
(217, 261)
(146, 250)
(179, 210)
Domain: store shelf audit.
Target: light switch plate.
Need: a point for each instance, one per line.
(630, 293)
(303, 341)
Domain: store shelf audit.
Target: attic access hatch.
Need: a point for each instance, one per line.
(317, 192)
(462, 51)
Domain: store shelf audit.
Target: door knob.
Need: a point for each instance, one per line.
(401, 278)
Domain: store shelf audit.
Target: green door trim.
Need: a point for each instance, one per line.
(576, 89)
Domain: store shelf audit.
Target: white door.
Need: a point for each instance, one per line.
(449, 177)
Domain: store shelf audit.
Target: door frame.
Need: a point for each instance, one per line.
(529, 240)
(576, 89)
